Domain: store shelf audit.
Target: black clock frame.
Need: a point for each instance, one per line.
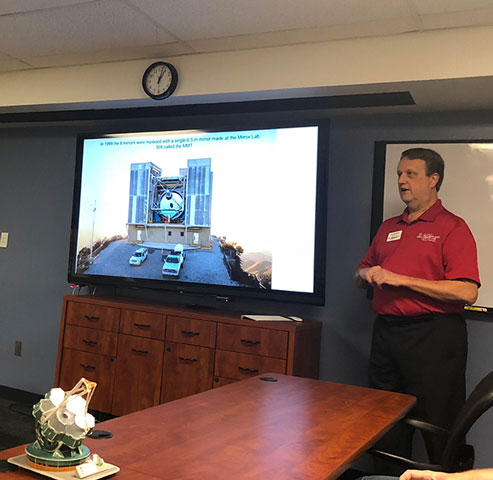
(172, 86)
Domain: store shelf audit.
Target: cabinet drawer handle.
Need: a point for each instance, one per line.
(248, 370)
(91, 319)
(189, 334)
(91, 343)
(141, 325)
(188, 360)
(91, 368)
(250, 343)
(140, 352)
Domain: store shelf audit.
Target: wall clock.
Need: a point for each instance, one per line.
(159, 80)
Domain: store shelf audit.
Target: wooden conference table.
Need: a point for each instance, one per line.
(292, 428)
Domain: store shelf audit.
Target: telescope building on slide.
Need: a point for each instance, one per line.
(170, 209)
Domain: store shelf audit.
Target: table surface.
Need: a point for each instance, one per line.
(293, 428)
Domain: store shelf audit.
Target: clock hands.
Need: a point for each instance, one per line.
(159, 80)
(160, 75)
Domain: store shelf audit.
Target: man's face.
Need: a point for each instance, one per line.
(415, 187)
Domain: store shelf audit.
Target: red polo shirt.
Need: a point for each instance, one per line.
(436, 246)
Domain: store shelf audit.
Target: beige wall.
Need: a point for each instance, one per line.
(441, 54)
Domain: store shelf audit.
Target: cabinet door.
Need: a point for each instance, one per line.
(254, 340)
(94, 367)
(191, 331)
(188, 369)
(90, 340)
(143, 324)
(93, 316)
(138, 374)
(241, 365)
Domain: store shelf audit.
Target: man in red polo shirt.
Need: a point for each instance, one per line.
(422, 266)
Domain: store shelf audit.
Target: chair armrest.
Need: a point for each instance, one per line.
(428, 427)
(407, 462)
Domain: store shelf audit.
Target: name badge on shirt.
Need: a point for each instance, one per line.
(393, 236)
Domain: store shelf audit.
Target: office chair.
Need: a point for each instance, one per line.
(457, 456)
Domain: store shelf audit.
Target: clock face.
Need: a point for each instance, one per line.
(159, 80)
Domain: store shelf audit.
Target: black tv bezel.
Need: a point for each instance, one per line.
(221, 292)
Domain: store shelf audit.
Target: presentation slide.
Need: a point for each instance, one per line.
(251, 191)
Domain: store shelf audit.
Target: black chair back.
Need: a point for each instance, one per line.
(457, 455)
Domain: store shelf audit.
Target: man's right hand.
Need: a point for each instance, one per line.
(362, 279)
(365, 277)
(377, 277)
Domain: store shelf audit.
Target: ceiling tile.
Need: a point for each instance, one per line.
(292, 37)
(79, 29)
(111, 55)
(441, 6)
(10, 65)
(45, 33)
(196, 19)
(458, 19)
(8, 7)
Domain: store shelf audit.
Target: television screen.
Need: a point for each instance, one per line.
(224, 212)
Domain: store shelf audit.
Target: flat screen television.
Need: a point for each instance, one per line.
(227, 211)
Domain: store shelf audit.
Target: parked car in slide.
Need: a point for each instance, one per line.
(174, 261)
(138, 257)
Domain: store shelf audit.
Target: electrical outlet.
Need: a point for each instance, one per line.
(18, 348)
(4, 240)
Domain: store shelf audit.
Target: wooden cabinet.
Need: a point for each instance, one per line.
(137, 382)
(143, 324)
(93, 316)
(259, 341)
(89, 349)
(90, 340)
(141, 354)
(238, 366)
(98, 368)
(191, 331)
(188, 369)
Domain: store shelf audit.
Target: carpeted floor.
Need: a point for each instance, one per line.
(16, 421)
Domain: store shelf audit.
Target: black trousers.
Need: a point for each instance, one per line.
(426, 357)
